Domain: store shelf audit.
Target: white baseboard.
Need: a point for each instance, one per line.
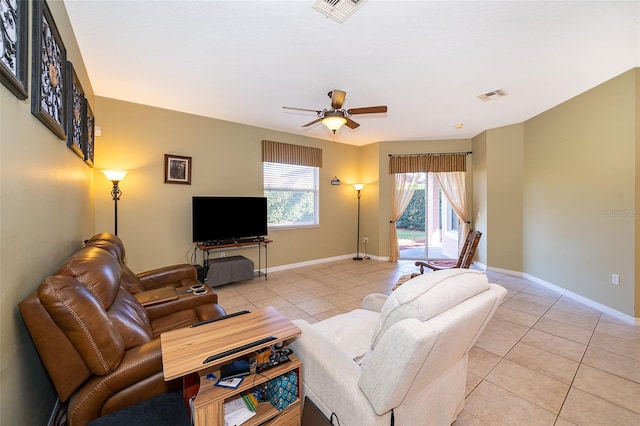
(310, 262)
(325, 260)
(600, 307)
(595, 305)
(585, 301)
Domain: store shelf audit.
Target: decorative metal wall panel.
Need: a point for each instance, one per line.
(89, 134)
(76, 117)
(14, 49)
(48, 71)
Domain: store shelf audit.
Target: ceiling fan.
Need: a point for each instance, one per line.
(335, 117)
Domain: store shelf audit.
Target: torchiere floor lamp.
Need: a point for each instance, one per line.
(115, 176)
(358, 187)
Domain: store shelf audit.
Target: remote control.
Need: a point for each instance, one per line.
(281, 359)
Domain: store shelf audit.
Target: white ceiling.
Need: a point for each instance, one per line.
(242, 61)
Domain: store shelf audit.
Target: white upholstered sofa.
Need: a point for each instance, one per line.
(403, 355)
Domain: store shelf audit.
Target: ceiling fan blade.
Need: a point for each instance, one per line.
(303, 109)
(367, 110)
(337, 98)
(351, 124)
(313, 122)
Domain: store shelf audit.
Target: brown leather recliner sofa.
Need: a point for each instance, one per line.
(183, 275)
(99, 344)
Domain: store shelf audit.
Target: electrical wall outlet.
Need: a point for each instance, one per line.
(223, 254)
(615, 279)
(365, 239)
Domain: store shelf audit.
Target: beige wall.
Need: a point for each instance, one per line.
(637, 210)
(579, 194)
(226, 161)
(479, 147)
(46, 210)
(503, 197)
(371, 215)
(154, 218)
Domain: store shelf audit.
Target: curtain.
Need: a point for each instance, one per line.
(284, 153)
(454, 188)
(427, 163)
(403, 188)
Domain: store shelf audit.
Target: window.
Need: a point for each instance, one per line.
(452, 220)
(292, 194)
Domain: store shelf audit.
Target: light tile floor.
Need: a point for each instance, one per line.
(544, 359)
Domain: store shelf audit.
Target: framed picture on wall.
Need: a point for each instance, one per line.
(14, 23)
(89, 133)
(76, 117)
(177, 169)
(48, 71)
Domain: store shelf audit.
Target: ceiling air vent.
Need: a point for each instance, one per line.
(338, 10)
(489, 96)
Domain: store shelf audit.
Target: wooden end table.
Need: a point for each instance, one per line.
(185, 350)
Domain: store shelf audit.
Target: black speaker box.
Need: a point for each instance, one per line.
(202, 274)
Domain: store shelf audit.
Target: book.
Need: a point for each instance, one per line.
(250, 400)
(237, 411)
(233, 382)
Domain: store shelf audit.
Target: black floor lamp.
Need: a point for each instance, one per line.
(358, 187)
(115, 176)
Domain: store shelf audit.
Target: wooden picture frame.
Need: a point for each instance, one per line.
(14, 48)
(89, 135)
(177, 169)
(48, 71)
(76, 117)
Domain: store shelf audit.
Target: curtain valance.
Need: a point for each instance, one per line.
(428, 163)
(278, 152)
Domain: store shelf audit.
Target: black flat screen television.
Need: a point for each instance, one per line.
(225, 219)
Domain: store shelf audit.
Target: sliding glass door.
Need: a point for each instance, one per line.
(428, 228)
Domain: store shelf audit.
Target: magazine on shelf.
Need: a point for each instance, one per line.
(237, 411)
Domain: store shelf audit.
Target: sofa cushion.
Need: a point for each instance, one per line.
(98, 270)
(114, 245)
(111, 246)
(351, 332)
(79, 314)
(180, 319)
(428, 295)
(130, 280)
(131, 319)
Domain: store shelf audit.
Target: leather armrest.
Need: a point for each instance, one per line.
(174, 275)
(156, 296)
(209, 311)
(184, 301)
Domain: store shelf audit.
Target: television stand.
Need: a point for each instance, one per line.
(232, 241)
(208, 247)
(250, 240)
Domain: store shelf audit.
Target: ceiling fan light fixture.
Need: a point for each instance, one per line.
(334, 123)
